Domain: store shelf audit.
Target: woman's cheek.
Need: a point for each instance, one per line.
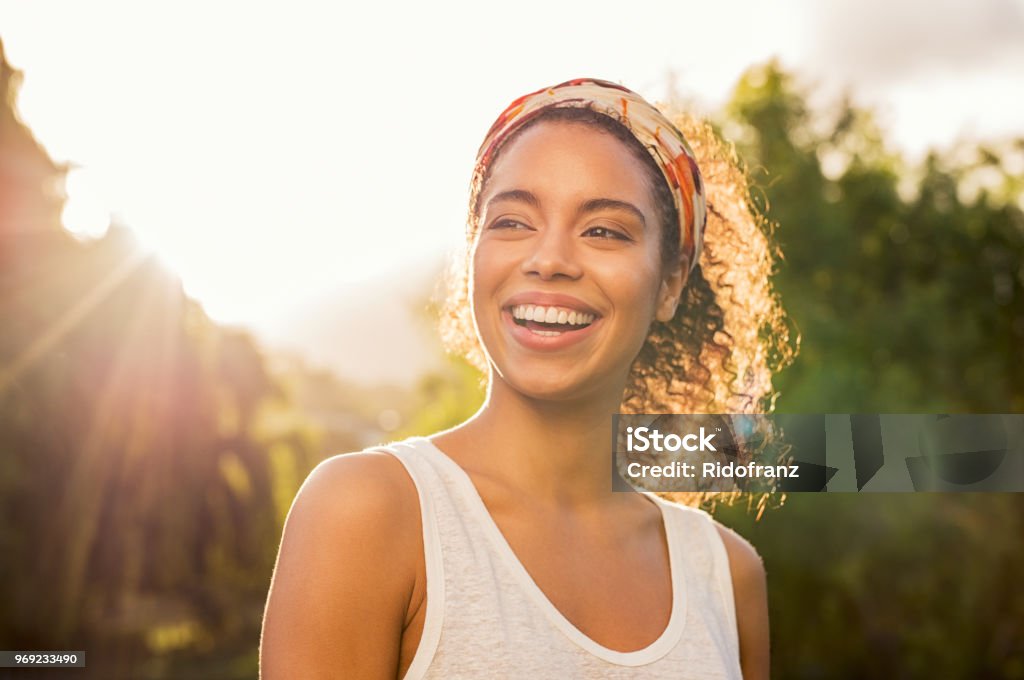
(484, 281)
(635, 288)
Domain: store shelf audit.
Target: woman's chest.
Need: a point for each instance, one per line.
(613, 585)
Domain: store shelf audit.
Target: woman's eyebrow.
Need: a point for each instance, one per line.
(515, 195)
(593, 205)
(597, 204)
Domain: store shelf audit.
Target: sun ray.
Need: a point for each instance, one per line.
(69, 319)
(123, 402)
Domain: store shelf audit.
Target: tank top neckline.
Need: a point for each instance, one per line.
(649, 654)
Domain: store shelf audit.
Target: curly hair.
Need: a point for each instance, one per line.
(729, 333)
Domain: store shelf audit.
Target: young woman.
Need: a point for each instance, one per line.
(599, 279)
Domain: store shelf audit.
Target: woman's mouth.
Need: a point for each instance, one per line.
(550, 321)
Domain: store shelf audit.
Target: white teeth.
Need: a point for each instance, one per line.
(547, 334)
(551, 315)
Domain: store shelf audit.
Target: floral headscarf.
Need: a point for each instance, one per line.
(651, 128)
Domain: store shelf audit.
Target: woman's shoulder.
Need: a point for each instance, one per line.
(347, 571)
(750, 599)
(745, 564)
(361, 508)
(369, 488)
(749, 592)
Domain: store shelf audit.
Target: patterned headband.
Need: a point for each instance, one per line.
(651, 128)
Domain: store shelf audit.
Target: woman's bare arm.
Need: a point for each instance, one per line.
(750, 592)
(345, 573)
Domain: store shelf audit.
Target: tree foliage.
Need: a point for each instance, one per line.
(907, 287)
(906, 284)
(138, 490)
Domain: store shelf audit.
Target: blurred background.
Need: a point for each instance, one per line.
(220, 230)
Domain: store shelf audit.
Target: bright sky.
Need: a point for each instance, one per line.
(272, 152)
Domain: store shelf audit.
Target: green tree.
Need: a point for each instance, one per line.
(907, 288)
(908, 296)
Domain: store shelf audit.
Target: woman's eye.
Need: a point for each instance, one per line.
(508, 224)
(606, 232)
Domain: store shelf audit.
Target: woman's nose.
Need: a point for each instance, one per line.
(553, 256)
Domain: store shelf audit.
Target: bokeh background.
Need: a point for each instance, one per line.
(220, 230)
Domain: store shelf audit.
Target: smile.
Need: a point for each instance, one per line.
(548, 327)
(551, 321)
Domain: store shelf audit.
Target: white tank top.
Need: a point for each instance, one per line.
(487, 618)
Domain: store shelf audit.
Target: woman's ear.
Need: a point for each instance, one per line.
(671, 290)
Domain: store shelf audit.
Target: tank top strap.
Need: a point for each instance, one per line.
(452, 496)
(707, 562)
(433, 509)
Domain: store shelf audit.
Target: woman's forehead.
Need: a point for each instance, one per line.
(559, 157)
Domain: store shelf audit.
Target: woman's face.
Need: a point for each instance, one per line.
(567, 275)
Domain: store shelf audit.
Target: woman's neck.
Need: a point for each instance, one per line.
(552, 451)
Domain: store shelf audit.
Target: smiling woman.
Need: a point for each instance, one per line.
(603, 273)
(567, 212)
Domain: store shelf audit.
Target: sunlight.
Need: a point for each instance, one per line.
(290, 169)
(67, 321)
(86, 214)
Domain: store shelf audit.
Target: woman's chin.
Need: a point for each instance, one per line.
(543, 386)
